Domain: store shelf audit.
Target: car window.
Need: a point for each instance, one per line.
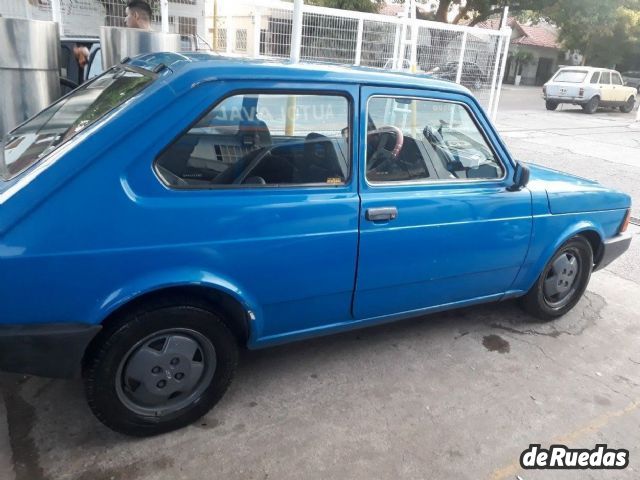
(570, 76)
(95, 67)
(57, 124)
(605, 78)
(615, 79)
(419, 140)
(262, 139)
(595, 77)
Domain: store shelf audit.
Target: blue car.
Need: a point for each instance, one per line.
(180, 207)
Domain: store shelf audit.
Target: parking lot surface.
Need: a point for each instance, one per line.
(457, 395)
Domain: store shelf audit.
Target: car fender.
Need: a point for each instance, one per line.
(537, 265)
(175, 277)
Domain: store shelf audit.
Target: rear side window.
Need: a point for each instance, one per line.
(570, 76)
(412, 140)
(595, 77)
(605, 78)
(262, 139)
(60, 122)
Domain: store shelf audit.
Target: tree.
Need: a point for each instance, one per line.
(473, 12)
(522, 59)
(604, 32)
(357, 5)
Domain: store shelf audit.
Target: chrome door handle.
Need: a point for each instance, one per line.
(381, 214)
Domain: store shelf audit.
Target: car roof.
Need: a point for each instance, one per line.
(209, 66)
(580, 68)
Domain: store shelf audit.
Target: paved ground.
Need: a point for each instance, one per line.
(451, 396)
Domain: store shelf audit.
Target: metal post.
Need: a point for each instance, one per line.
(399, 61)
(495, 73)
(359, 42)
(507, 38)
(164, 15)
(296, 30)
(414, 37)
(56, 15)
(463, 46)
(396, 47)
(503, 22)
(257, 23)
(231, 34)
(215, 26)
(290, 118)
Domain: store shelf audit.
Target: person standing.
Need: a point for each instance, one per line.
(138, 15)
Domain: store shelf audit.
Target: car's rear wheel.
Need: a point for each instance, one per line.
(551, 105)
(159, 370)
(562, 282)
(628, 106)
(591, 106)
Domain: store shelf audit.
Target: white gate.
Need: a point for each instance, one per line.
(472, 56)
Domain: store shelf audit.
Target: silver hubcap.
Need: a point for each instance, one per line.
(561, 279)
(165, 371)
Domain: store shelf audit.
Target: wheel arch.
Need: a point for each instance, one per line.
(587, 229)
(238, 309)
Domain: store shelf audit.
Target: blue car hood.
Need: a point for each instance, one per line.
(568, 193)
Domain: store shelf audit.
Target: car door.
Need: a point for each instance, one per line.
(262, 183)
(607, 92)
(438, 224)
(620, 92)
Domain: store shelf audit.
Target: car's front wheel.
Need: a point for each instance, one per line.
(562, 282)
(628, 106)
(591, 106)
(158, 370)
(551, 105)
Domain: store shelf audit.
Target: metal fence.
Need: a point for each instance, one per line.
(83, 18)
(472, 56)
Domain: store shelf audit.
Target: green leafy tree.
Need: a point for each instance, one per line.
(473, 12)
(604, 32)
(357, 5)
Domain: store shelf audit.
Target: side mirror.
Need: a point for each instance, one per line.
(520, 178)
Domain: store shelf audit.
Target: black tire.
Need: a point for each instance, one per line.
(628, 106)
(551, 105)
(108, 357)
(591, 106)
(538, 303)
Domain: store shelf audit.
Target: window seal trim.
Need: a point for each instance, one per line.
(276, 187)
(447, 182)
(99, 121)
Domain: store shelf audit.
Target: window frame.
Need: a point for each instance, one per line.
(619, 77)
(240, 187)
(438, 180)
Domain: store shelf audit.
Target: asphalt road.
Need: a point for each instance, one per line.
(451, 396)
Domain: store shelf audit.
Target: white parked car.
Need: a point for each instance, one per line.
(590, 88)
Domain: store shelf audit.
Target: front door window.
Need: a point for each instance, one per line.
(420, 140)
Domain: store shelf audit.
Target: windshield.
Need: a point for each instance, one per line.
(60, 122)
(571, 76)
